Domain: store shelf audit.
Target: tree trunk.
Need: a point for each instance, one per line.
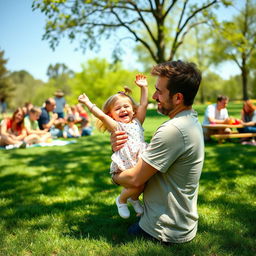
(160, 42)
(244, 83)
(244, 77)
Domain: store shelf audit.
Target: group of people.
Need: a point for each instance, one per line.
(217, 113)
(30, 125)
(168, 169)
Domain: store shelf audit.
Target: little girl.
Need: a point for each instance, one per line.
(120, 112)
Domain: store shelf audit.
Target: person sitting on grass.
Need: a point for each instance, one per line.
(248, 120)
(248, 117)
(48, 122)
(70, 129)
(13, 134)
(32, 127)
(120, 112)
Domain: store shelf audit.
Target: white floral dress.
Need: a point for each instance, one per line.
(128, 156)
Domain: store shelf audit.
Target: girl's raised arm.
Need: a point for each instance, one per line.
(141, 81)
(110, 123)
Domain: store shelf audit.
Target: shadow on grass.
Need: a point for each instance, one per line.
(72, 184)
(226, 189)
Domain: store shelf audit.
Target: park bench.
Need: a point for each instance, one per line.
(233, 135)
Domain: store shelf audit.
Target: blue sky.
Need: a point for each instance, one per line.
(21, 33)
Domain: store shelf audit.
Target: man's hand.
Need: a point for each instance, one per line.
(118, 139)
(54, 116)
(141, 81)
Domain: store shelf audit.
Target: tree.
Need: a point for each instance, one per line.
(6, 85)
(57, 70)
(25, 88)
(236, 41)
(96, 19)
(59, 75)
(99, 80)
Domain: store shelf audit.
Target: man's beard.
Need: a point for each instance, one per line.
(164, 110)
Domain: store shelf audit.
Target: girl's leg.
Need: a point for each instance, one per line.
(137, 193)
(6, 140)
(133, 193)
(32, 139)
(121, 201)
(132, 196)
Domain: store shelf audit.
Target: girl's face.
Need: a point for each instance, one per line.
(18, 117)
(122, 111)
(34, 116)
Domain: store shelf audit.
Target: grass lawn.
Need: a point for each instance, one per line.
(60, 201)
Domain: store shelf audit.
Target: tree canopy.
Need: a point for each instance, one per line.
(90, 21)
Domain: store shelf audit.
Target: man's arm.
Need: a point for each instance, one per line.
(48, 125)
(118, 139)
(136, 176)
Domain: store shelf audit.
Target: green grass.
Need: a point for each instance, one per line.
(60, 201)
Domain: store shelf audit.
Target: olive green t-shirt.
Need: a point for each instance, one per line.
(170, 196)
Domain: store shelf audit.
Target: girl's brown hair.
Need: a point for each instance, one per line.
(21, 123)
(109, 103)
(248, 107)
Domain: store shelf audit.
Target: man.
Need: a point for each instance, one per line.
(171, 166)
(216, 114)
(48, 123)
(60, 103)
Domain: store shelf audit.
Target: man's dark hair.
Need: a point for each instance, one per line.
(183, 77)
(222, 97)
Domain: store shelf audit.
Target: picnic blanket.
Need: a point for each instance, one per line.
(45, 144)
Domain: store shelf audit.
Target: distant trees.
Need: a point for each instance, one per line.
(236, 41)
(57, 70)
(100, 79)
(6, 85)
(26, 87)
(59, 74)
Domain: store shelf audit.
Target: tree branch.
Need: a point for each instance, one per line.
(136, 36)
(197, 11)
(144, 23)
(169, 8)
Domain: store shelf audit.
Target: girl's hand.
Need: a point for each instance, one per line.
(141, 81)
(83, 98)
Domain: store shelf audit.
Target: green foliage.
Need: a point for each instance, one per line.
(57, 70)
(60, 201)
(26, 88)
(44, 92)
(99, 80)
(235, 41)
(91, 21)
(6, 85)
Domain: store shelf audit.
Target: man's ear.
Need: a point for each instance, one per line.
(178, 98)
